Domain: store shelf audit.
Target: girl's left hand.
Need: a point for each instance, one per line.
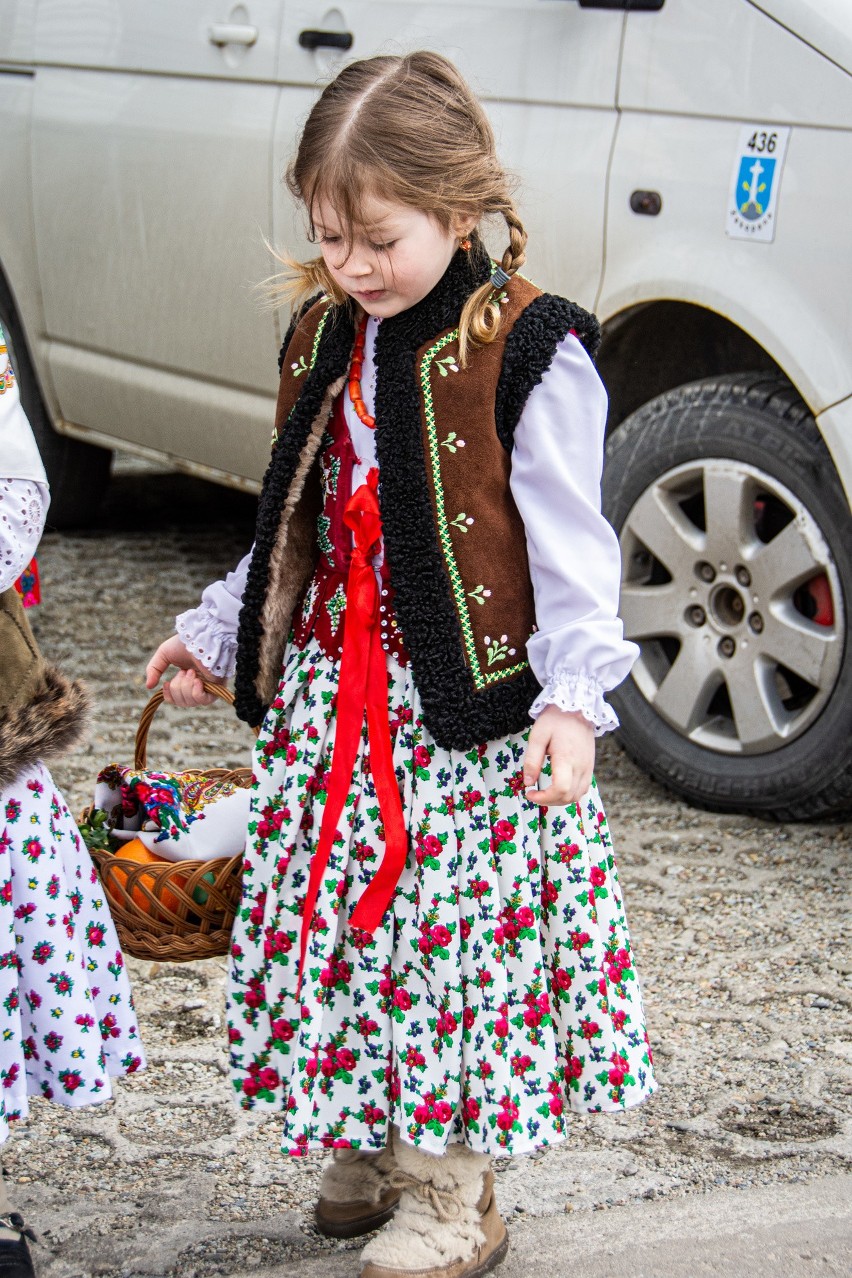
(569, 740)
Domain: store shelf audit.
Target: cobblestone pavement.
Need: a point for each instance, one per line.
(737, 924)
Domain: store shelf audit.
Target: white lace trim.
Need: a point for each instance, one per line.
(213, 645)
(23, 504)
(577, 690)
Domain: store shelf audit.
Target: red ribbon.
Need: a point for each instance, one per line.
(363, 686)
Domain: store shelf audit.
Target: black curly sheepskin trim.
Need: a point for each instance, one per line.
(530, 348)
(332, 362)
(457, 715)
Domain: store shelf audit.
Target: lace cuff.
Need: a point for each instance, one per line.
(23, 505)
(208, 641)
(576, 690)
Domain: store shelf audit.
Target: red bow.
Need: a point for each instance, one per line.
(363, 685)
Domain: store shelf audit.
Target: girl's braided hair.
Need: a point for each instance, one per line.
(408, 130)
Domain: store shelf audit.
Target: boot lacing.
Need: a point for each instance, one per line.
(444, 1203)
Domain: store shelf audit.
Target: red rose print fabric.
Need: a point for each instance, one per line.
(500, 991)
(66, 1011)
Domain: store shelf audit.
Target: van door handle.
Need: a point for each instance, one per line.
(223, 33)
(326, 40)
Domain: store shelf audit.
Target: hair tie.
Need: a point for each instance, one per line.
(499, 278)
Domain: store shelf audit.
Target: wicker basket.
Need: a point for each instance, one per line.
(189, 906)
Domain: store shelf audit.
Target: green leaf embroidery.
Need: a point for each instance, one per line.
(479, 594)
(447, 365)
(452, 443)
(323, 536)
(336, 605)
(462, 521)
(300, 366)
(498, 649)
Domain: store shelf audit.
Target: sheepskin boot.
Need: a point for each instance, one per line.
(356, 1194)
(447, 1224)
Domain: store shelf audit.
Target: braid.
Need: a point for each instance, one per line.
(480, 318)
(516, 253)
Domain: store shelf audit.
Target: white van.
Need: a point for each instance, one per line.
(685, 167)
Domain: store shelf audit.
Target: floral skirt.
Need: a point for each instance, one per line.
(498, 994)
(66, 1013)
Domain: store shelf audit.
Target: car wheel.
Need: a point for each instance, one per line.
(78, 473)
(736, 540)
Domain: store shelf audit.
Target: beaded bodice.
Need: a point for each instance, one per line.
(323, 607)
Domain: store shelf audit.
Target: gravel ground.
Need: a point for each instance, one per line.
(738, 927)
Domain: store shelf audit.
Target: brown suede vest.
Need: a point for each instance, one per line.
(481, 533)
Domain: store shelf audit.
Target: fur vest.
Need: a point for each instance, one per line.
(454, 540)
(42, 714)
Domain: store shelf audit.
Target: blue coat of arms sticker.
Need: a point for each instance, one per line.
(753, 201)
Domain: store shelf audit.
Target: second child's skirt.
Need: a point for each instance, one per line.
(499, 992)
(67, 1020)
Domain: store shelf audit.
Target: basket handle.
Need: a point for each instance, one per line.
(140, 757)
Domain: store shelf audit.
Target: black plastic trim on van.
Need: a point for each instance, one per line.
(634, 6)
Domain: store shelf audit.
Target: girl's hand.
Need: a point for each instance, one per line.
(185, 688)
(569, 740)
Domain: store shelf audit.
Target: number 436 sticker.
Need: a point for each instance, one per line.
(756, 182)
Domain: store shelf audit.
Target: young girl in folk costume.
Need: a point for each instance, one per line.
(430, 968)
(66, 1014)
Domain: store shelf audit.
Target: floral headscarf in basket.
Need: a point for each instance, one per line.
(179, 816)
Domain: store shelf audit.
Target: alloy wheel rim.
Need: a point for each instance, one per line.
(731, 591)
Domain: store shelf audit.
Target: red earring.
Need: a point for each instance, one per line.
(465, 244)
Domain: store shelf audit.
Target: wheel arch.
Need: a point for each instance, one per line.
(655, 346)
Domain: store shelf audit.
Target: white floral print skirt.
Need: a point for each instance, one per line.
(67, 1020)
(499, 992)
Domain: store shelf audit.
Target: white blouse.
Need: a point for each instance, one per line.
(578, 653)
(24, 494)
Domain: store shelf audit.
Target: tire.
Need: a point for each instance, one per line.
(736, 540)
(78, 473)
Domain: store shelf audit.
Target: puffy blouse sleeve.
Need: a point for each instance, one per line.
(210, 630)
(24, 494)
(578, 653)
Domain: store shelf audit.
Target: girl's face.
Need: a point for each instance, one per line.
(396, 257)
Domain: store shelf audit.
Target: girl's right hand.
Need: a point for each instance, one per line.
(184, 689)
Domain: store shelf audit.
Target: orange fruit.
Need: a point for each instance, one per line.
(136, 851)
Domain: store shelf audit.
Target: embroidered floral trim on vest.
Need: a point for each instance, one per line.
(300, 365)
(498, 651)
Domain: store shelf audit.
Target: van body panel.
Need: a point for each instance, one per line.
(17, 23)
(826, 25)
(154, 178)
(158, 37)
(730, 61)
